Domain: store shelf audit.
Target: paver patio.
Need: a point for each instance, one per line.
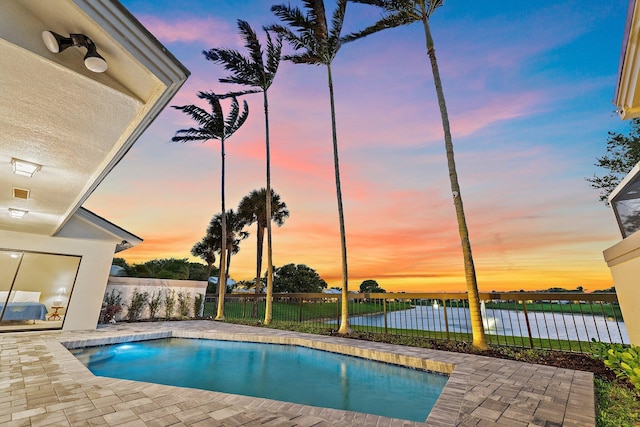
(43, 384)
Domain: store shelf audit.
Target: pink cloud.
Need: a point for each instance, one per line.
(210, 31)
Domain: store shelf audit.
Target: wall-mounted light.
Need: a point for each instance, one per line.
(22, 167)
(57, 43)
(17, 213)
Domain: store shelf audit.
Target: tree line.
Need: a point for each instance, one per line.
(289, 278)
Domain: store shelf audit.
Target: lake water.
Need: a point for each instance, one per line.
(280, 372)
(563, 326)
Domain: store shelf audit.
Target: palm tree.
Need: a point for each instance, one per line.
(317, 44)
(256, 72)
(214, 126)
(234, 234)
(253, 208)
(205, 249)
(403, 12)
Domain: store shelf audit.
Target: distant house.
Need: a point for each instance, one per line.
(66, 122)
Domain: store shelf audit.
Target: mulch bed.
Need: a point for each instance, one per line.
(560, 359)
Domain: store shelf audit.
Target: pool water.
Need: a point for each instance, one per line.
(280, 372)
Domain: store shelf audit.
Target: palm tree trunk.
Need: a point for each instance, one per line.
(477, 328)
(222, 280)
(269, 298)
(259, 246)
(344, 315)
(229, 252)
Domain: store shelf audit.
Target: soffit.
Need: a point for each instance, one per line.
(627, 95)
(75, 123)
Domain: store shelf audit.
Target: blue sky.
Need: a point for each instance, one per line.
(528, 87)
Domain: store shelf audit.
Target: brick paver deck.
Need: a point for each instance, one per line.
(43, 384)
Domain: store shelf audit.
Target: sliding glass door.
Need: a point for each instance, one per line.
(35, 289)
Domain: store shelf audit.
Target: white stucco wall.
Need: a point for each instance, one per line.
(96, 248)
(623, 260)
(127, 286)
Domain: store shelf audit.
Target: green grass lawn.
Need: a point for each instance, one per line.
(294, 311)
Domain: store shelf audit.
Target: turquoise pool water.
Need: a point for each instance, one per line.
(280, 372)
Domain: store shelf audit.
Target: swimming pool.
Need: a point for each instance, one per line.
(280, 372)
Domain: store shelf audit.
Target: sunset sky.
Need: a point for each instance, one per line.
(528, 87)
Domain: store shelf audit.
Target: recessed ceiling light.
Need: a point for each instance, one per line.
(22, 167)
(17, 213)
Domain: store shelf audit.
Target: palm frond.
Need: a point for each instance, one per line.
(287, 34)
(235, 119)
(304, 58)
(217, 116)
(388, 21)
(337, 21)
(274, 54)
(292, 16)
(243, 71)
(432, 5)
(379, 3)
(201, 116)
(191, 135)
(252, 44)
(239, 93)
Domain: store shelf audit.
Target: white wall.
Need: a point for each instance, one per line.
(97, 254)
(127, 286)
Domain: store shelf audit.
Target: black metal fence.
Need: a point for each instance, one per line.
(558, 321)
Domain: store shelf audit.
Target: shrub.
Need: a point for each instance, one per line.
(198, 305)
(155, 300)
(111, 306)
(623, 360)
(137, 303)
(169, 303)
(184, 303)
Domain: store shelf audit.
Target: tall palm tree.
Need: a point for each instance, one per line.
(234, 234)
(254, 208)
(214, 125)
(315, 43)
(403, 12)
(256, 72)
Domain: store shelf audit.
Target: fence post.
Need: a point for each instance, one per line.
(526, 319)
(384, 305)
(446, 318)
(300, 311)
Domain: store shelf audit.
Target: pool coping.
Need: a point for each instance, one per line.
(480, 390)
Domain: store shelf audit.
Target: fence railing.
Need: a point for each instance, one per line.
(558, 321)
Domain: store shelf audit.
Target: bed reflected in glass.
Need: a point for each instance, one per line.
(35, 289)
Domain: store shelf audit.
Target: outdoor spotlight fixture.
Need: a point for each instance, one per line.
(57, 43)
(17, 213)
(22, 167)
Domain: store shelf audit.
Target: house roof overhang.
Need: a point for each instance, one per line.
(55, 112)
(627, 94)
